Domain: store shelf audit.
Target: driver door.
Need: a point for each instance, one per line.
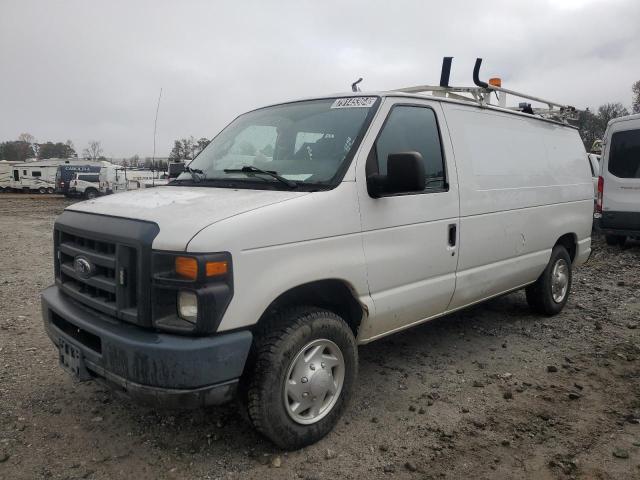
(410, 240)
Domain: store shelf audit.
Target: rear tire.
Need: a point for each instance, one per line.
(42, 190)
(51, 190)
(302, 371)
(549, 294)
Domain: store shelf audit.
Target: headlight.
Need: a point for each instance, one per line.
(190, 291)
(188, 306)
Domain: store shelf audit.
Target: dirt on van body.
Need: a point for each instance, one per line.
(490, 392)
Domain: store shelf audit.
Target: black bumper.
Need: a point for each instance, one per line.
(157, 368)
(620, 223)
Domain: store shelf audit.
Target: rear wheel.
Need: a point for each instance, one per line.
(51, 190)
(303, 370)
(42, 190)
(549, 294)
(90, 193)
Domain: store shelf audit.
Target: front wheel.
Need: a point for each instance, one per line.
(42, 190)
(303, 370)
(549, 294)
(90, 193)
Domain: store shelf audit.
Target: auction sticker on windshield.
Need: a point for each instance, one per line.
(354, 102)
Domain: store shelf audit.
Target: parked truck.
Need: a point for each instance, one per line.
(85, 185)
(351, 217)
(67, 171)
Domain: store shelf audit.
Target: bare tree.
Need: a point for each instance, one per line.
(30, 140)
(609, 111)
(93, 151)
(635, 103)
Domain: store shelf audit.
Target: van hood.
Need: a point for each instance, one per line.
(181, 212)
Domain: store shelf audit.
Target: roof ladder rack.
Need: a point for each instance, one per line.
(481, 94)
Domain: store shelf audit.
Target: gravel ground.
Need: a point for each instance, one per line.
(490, 392)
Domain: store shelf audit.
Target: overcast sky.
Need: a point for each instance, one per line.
(85, 70)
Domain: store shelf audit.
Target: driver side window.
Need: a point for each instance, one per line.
(412, 129)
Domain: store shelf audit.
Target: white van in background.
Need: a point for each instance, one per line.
(352, 217)
(594, 164)
(618, 205)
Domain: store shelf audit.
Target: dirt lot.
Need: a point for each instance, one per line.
(492, 392)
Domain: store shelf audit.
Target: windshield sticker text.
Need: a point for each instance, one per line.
(354, 102)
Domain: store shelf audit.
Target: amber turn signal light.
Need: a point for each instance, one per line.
(216, 268)
(187, 267)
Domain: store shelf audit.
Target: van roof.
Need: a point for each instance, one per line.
(423, 96)
(624, 119)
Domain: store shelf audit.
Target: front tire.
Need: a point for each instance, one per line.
(303, 371)
(90, 193)
(549, 294)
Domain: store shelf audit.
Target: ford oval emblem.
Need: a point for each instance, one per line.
(83, 267)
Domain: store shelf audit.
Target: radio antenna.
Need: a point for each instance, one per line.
(155, 128)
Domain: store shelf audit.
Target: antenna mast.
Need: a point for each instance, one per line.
(155, 128)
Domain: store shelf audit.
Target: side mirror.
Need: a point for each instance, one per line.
(405, 173)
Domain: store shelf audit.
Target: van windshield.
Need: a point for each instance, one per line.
(305, 143)
(624, 157)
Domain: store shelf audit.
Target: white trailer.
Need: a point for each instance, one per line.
(39, 176)
(116, 178)
(6, 172)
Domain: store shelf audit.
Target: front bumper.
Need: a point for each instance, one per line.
(162, 369)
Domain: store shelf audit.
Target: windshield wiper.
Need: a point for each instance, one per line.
(252, 169)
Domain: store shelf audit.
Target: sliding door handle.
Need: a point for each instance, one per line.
(453, 234)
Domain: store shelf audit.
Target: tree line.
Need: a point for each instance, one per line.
(592, 124)
(27, 147)
(187, 148)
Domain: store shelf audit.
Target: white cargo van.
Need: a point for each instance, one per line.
(350, 218)
(618, 204)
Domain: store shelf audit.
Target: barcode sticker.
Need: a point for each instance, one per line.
(354, 102)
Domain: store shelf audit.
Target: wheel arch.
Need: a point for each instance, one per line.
(332, 294)
(570, 242)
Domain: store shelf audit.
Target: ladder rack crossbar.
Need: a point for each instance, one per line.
(482, 96)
